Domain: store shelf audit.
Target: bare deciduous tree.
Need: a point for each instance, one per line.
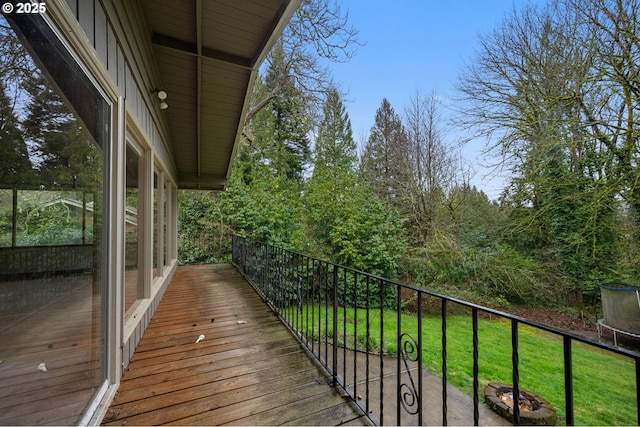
(557, 86)
(432, 166)
(319, 32)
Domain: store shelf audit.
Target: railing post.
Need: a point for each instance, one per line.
(568, 381)
(516, 371)
(335, 326)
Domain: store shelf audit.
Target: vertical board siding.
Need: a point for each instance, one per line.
(122, 71)
(87, 19)
(129, 86)
(130, 345)
(73, 5)
(100, 32)
(112, 54)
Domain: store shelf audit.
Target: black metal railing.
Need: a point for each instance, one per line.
(332, 308)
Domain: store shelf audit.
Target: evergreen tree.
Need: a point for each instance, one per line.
(384, 161)
(283, 128)
(262, 199)
(334, 178)
(335, 147)
(350, 224)
(15, 166)
(65, 153)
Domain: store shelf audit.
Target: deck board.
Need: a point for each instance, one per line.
(253, 373)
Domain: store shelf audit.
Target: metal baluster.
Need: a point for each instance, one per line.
(335, 326)
(310, 299)
(476, 403)
(299, 311)
(368, 332)
(326, 317)
(355, 334)
(516, 373)
(305, 319)
(286, 275)
(278, 279)
(399, 359)
(313, 303)
(344, 325)
(265, 275)
(381, 295)
(444, 362)
(568, 381)
(420, 359)
(282, 279)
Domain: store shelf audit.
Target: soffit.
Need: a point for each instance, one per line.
(207, 53)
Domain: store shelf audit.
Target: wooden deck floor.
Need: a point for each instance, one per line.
(248, 370)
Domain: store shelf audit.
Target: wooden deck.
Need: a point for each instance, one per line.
(248, 370)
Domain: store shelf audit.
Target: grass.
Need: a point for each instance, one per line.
(604, 383)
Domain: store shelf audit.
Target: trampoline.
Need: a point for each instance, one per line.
(620, 309)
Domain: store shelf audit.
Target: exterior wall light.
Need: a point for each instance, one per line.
(162, 95)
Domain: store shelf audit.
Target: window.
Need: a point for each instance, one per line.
(54, 140)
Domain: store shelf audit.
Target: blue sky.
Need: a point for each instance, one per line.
(415, 45)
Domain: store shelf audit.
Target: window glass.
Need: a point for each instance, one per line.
(164, 223)
(53, 249)
(134, 285)
(155, 224)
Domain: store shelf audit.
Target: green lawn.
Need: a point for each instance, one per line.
(604, 383)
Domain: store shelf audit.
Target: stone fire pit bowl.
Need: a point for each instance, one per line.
(534, 410)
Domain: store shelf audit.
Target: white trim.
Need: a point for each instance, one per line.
(98, 397)
(102, 406)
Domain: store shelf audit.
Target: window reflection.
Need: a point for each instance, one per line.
(53, 130)
(155, 224)
(134, 285)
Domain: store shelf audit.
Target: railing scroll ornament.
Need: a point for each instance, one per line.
(409, 394)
